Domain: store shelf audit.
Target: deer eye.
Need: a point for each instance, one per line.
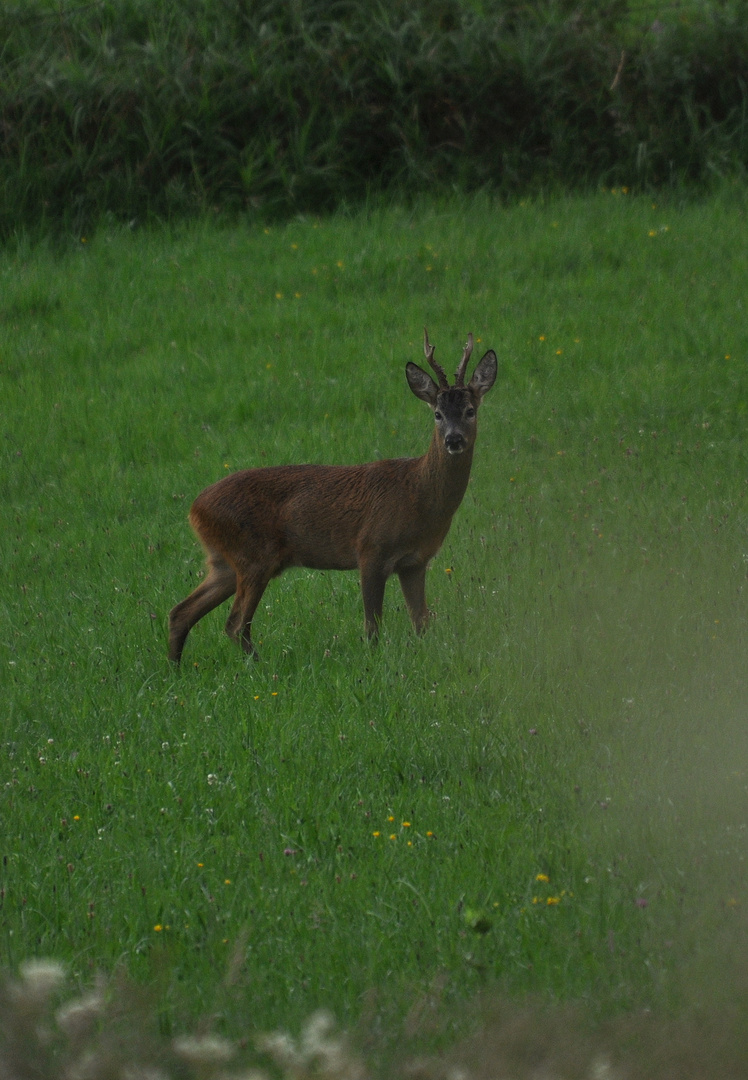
(470, 411)
(437, 415)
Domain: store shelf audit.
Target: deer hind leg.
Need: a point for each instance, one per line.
(413, 584)
(218, 586)
(249, 590)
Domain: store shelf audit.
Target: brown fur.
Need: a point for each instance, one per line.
(383, 518)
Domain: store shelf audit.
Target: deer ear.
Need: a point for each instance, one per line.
(484, 375)
(421, 383)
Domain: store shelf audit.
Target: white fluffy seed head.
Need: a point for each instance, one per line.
(203, 1051)
(317, 1031)
(282, 1049)
(40, 979)
(78, 1018)
(142, 1072)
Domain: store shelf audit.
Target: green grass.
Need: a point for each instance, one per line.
(577, 709)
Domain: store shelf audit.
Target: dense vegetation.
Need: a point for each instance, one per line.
(138, 107)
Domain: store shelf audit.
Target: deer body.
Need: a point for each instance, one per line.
(381, 518)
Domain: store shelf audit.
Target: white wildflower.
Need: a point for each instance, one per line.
(77, 1018)
(282, 1049)
(203, 1050)
(40, 979)
(142, 1072)
(320, 1052)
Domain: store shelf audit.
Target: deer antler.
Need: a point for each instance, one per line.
(460, 373)
(429, 354)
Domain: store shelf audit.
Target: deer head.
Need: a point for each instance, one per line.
(455, 407)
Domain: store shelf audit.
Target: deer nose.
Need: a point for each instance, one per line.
(455, 443)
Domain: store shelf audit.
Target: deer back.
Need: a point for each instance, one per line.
(319, 516)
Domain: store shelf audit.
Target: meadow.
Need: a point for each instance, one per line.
(545, 795)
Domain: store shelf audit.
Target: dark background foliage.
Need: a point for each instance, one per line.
(147, 107)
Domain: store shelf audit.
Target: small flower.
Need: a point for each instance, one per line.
(375, 833)
(406, 824)
(279, 296)
(393, 836)
(158, 928)
(390, 818)
(542, 877)
(227, 881)
(76, 817)
(553, 900)
(429, 833)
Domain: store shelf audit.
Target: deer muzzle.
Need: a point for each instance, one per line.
(455, 443)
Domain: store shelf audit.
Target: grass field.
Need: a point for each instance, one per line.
(546, 794)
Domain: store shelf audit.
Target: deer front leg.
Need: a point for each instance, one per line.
(373, 581)
(413, 584)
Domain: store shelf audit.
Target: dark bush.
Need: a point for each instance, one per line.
(143, 107)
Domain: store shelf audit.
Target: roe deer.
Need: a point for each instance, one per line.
(383, 518)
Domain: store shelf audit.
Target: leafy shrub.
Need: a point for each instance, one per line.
(138, 108)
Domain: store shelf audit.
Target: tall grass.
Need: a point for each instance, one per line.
(111, 1029)
(547, 793)
(135, 108)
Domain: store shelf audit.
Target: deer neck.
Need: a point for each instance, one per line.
(443, 478)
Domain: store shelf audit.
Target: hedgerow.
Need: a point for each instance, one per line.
(148, 107)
